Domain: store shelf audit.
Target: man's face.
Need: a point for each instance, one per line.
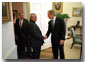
(34, 19)
(50, 16)
(21, 16)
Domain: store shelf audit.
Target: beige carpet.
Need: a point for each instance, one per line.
(73, 53)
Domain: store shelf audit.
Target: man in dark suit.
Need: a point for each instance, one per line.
(35, 37)
(22, 37)
(57, 28)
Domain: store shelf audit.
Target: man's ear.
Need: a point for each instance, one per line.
(52, 15)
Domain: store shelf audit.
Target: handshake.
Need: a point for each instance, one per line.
(45, 37)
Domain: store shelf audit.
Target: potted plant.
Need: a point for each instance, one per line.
(64, 16)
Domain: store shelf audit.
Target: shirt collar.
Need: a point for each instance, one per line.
(21, 21)
(54, 18)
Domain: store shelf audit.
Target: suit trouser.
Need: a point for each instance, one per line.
(21, 51)
(36, 52)
(55, 47)
(29, 51)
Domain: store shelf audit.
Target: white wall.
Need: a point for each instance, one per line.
(8, 42)
(26, 10)
(67, 9)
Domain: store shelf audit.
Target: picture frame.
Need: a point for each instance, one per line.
(77, 12)
(57, 7)
(6, 12)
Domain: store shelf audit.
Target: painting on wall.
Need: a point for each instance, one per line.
(57, 7)
(77, 12)
(5, 12)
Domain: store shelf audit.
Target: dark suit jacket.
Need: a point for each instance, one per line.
(58, 33)
(35, 35)
(23, 33)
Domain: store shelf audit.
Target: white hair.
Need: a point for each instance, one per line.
(32, 15)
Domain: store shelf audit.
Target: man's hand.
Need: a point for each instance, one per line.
(44, 37)
(61, 42)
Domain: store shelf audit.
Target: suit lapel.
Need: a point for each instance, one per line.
(23, 23)
(37, 27)
(56, 21)
(18, 23)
